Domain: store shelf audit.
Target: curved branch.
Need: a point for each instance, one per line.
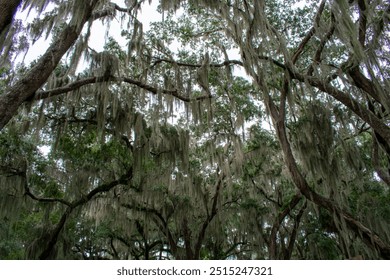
(92, 80)
(377, 125)
(368, 236)
(44, 199)
(310, 34)
(317, 56)
(65, 89)
(47, 251)
(216, 65)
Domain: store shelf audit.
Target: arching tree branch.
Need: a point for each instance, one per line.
(92, 80)
(54, 234)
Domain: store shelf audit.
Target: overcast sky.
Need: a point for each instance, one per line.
(146, 15)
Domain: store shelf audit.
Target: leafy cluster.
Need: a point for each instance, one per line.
(228, 130)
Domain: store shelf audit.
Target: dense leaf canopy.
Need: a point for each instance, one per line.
(227, 129)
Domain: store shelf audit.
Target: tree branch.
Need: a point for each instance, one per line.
(317, 56)
(43, 199)
(362, 21)
(310, 34)
(92, 80)
(216, 65)
(279, 219)
(381, 128)
(210, 217)
(294, 233)
(50, 243)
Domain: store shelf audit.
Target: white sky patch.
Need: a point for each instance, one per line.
(45, 150)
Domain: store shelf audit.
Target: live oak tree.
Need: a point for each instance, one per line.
(165, 149)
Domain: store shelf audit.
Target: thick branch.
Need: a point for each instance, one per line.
(293, 235)
(210, 217)
(362, 21)
(366, 85)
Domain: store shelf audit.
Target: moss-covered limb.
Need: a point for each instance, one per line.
(362, 21)
(191, 65)
(93, 80)
(45, 199)
(50, 243)
(368, 86)
(321, 46)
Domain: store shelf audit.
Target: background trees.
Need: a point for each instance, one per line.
(164, 148)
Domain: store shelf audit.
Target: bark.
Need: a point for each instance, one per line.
(7, 12)
(26, 87)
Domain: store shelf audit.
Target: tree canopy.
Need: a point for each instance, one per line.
(169, 146)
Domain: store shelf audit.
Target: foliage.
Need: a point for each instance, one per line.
(227, 130)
